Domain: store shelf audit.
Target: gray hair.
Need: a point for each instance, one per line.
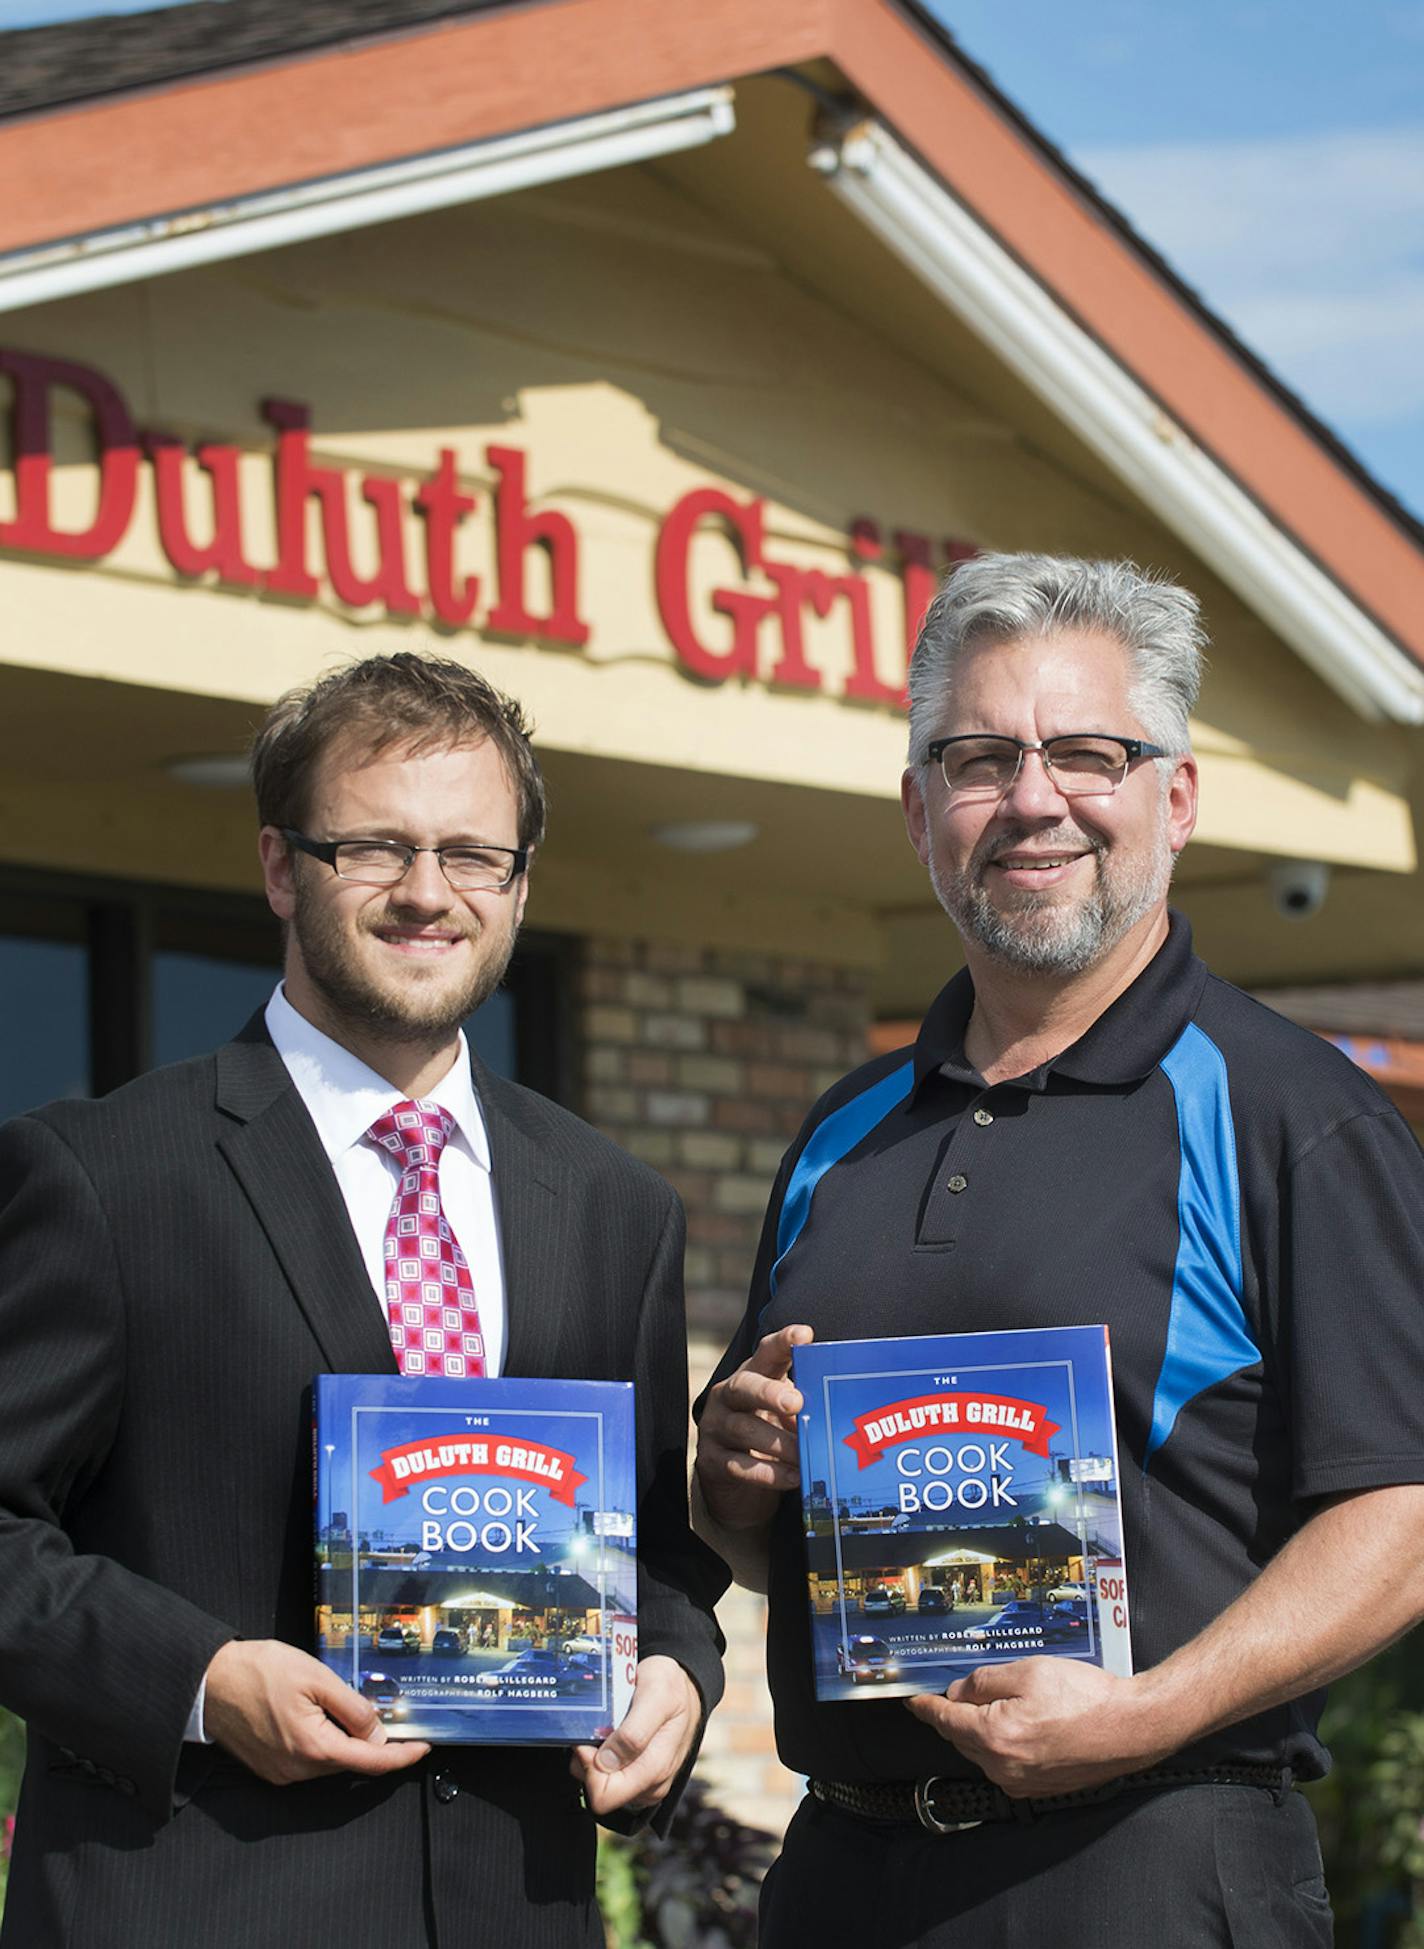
(998, 598)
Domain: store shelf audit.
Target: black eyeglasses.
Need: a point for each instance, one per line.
(976, 766)
(385, 862)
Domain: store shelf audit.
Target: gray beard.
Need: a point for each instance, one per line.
(1040, 935)
(352, 999)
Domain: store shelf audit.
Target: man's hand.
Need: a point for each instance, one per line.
(289, 1718)
(747, 1454)
(635, 1766)
(1042, 1726)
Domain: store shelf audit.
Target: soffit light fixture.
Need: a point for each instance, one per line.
(217, 771)
(706, 835)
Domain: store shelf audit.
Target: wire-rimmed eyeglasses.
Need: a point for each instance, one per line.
(385, 862)
(977, 765)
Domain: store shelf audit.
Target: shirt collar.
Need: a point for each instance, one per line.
(344, 1096)
(1126, 1043)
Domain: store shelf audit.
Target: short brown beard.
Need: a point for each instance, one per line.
(353, 1000)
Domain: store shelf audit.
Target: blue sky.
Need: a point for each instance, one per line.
(1271, 150)
(36, 13)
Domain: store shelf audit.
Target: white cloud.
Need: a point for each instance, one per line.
(1312, 248)
(1355, 356)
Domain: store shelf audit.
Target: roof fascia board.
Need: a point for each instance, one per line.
(233, 133)
(364, 197)
(970, 271)
(1079, 252)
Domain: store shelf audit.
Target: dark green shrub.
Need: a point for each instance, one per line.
(1371, 1805)
(696, 1890)
(12, 1764)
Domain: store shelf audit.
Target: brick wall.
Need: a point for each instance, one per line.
(738, 1759)
(703, 1062)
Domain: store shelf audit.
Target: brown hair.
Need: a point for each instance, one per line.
(422, 701)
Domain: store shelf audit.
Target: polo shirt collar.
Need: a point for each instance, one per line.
(344, 1096)
(1126, 1043)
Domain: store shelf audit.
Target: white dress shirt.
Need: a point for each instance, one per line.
(344, 1098)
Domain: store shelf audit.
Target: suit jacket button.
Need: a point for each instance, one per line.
(446, 1788)
(128, 1788)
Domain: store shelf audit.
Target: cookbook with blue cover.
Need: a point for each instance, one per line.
(476, 1553)
(960, 1497)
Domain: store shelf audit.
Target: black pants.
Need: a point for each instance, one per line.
(1201, 1867)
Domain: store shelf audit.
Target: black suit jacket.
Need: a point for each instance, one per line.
(176, 1262)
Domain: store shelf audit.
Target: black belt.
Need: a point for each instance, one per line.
(945, 1806)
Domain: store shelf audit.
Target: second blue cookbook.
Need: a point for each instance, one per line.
(476, 1553)
(960, 1506)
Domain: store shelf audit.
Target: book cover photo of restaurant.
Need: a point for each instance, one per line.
(656, 361)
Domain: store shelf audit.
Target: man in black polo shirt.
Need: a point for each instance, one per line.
(1090, 1128)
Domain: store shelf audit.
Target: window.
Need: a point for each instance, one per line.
(100, 981)
(44, 1006)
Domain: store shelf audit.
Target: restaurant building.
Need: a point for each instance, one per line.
(657, 361)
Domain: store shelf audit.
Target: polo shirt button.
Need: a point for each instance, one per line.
(983, 1118)
(958, 1183)
(446, 1789)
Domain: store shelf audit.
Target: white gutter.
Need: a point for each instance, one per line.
(364, 197)
(915, 216)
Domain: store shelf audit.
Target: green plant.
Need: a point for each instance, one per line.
(1371, 1804)
(1394, 1792)
(619, 1899)
(12, 1764)
(696, 1890)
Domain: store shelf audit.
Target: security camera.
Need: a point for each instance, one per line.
(1298, 887)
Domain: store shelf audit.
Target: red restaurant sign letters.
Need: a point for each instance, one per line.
(752, 635)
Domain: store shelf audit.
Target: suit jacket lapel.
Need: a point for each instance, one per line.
(533, 1210)
(274, 1151)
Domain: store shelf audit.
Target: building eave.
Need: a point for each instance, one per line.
(180, 240)
(238, 134)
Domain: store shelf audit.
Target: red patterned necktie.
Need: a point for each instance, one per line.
(430, 1296)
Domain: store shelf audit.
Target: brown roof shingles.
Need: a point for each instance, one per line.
(1369, 1008)
(77, 60)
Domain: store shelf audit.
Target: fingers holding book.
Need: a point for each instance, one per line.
(638, 1762)
(1043, 1726)
(288, 1718)
(748, 1455)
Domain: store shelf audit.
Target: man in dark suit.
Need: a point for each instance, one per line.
(178, 1260)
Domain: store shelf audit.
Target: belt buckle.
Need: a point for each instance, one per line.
(926, 1815)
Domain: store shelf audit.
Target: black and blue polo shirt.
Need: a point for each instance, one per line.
(1227, 1192)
